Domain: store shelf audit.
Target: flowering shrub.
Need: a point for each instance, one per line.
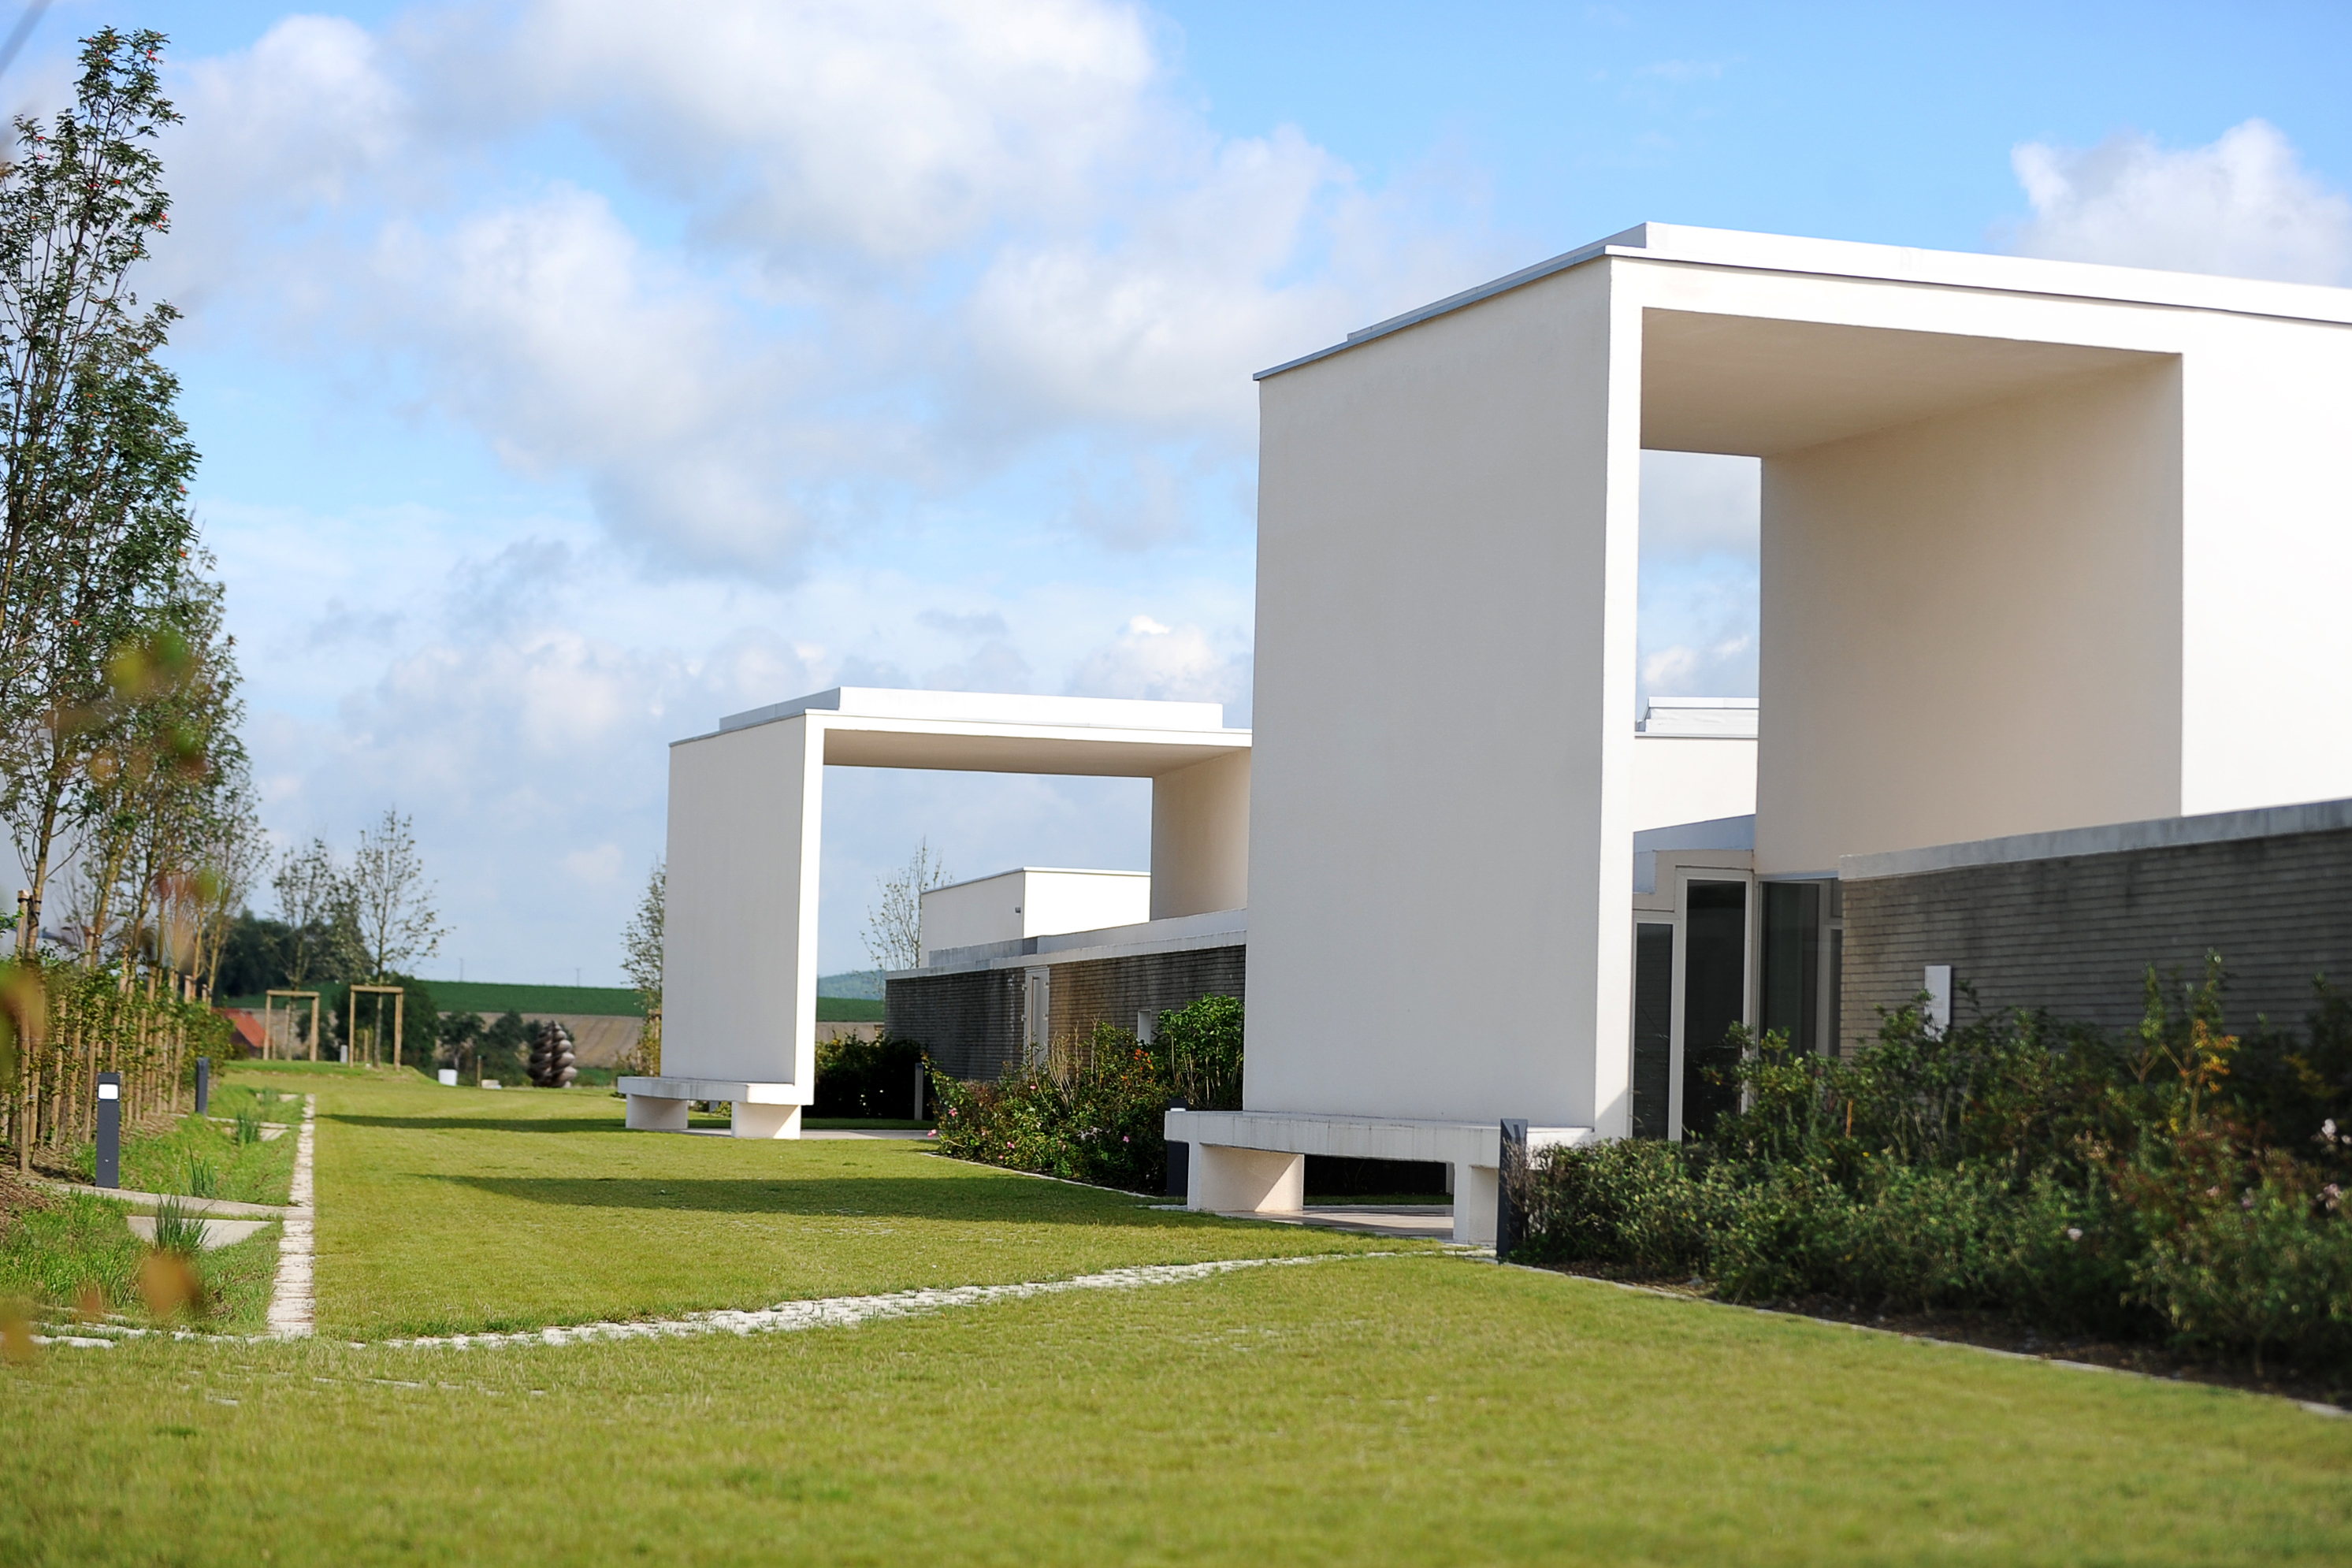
(2177, 1180)
(1093, 1112)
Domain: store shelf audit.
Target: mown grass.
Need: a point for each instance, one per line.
(1407, 1408)
(1414, 1409)
(449, 1210)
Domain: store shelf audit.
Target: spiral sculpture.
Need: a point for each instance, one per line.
(551, 1054)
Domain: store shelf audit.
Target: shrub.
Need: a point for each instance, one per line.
(866, 1078)
(2174, 1178)
(1094, 1114)
(1200, 1050)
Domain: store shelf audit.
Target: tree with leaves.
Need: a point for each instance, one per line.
(104, 609)
(390, 897)
(321, 939)
(893, 928)
(641, 959)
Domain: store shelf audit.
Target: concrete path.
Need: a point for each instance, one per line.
(216, 1233)
(223, 1207)
(270, 1130)
(291, 1310)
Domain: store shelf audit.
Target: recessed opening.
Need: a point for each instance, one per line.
(1334, 1179)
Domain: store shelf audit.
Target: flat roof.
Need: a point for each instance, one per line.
(1893, 264)
(989, 707)
(1034, 870)
(2110, 838)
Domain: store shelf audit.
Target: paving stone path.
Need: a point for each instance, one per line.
(293, 1309)
(849, 1311)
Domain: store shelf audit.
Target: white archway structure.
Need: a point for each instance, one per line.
(747, 817)
(2045, 546)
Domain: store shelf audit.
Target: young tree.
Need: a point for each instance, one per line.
(641, 957)
(390, 897)
(313, 901)
(641, 941)
(893, 928)
(95, 530)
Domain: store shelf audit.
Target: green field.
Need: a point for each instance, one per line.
(1380, 1402)
(592, 1001)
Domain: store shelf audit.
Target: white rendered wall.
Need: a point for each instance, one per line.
(1199, 838)
(1691, 778)
(1968, 625)
(987, 909)
(1033, 902)
(2264, 536)
(1444, 716)
(738, 940)
(2266, 645)
(1054, 902)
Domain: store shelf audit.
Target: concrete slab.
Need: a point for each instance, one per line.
(229, 1207)
(218, 1232)
(1432, 1222)
(916, 1132)
(270, 1130)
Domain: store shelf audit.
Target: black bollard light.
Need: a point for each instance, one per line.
(110, 1130)
(203, 1084)
(1179, 1159)
(1512, 1164)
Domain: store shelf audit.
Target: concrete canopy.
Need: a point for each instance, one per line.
(2043, 545)
(746, 821)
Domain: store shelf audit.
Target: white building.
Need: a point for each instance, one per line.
(2039, 541)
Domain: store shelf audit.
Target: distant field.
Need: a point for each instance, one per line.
(595, 1001)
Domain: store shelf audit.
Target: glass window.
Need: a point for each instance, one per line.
(1654, 1027)
(1791, 978)
(1714, 987)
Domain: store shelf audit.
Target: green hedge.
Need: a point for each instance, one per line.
(2176, 1180)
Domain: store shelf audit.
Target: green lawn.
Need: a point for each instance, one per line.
(1408, 1407)
(447, 1210)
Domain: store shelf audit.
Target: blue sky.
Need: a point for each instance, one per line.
(569, 373)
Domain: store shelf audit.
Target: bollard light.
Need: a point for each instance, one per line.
(110, 1130)
(1180, 1159)
(1513, 1164)
(203, 1084)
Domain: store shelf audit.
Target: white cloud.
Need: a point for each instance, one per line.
(1151, 660)
(1698, 503)
(852, 254)
(2244, 206)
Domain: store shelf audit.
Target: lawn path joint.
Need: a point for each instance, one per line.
(293, 1307)
(849, 1311)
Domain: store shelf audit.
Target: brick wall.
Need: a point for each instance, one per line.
(1115, 990)
(971, 1022)
(2075, 933)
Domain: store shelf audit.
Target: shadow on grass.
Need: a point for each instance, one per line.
(975, 1198)
(479, 1123)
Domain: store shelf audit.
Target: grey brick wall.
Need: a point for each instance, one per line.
(2075, 933)
(971, 1022)
(1115, 990)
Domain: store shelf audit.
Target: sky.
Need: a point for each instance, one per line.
(569, 373)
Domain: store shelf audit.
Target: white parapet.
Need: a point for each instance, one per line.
(1254, 1162)
(761, 1109)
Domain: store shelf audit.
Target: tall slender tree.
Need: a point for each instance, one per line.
(97, 589)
